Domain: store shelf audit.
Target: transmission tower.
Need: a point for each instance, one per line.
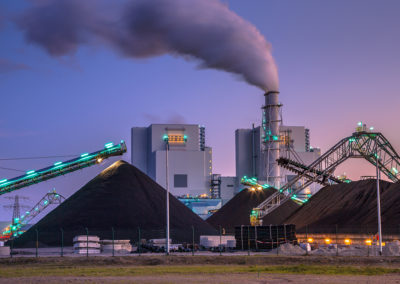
(16, 206)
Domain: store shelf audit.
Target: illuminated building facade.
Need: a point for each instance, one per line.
(189, 160)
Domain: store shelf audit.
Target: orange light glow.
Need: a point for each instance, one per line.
(310, 240)
(368, 242)
(328, 241)
(347, 241)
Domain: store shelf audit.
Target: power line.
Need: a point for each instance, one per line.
(11, 169)
(37, 158)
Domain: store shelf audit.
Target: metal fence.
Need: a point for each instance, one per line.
(37, 242)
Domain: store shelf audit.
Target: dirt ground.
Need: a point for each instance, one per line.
(218, 278)
(151, 259)
(151, 263)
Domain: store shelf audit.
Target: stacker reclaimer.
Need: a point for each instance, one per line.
(364, 143)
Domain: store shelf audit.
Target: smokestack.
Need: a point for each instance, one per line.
(271, 138)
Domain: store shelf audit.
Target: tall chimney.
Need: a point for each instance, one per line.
(271, 139)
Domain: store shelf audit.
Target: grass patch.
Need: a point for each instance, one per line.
(112, 271)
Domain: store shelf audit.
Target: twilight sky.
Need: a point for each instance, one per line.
(338, 64)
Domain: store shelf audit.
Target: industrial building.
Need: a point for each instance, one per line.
(189, 160)
(190, 173)
(294, 144)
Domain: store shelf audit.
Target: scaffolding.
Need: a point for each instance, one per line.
(215, 190)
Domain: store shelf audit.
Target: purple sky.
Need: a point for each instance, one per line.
(338, 64)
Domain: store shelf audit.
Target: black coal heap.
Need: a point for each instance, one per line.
(120, 197)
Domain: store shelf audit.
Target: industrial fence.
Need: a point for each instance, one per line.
(249, 239)
(353, 229)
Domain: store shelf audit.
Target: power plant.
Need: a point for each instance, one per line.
(168, 197)
(277, 170)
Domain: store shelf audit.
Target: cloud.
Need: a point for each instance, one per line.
(9, 66)
(174, 118)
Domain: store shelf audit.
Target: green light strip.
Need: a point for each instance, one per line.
(81, 162)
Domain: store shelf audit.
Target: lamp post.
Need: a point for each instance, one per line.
(378, 199)
(167, 198)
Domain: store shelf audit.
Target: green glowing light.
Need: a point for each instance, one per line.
(165, 137)
(109, 145)
(371, 128)
(3, 180)
(85, 155)
(359, 123)
(275, 138)
(395, 171)
(58, 163)
(30, 172)
(352, 139)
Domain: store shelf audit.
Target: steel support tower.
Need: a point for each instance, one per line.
(15, 229)
(372, 146)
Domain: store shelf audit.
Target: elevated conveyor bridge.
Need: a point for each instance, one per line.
(17, 227)
(62, 168)
(372, 146)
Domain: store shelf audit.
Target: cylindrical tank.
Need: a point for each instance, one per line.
(271, 138)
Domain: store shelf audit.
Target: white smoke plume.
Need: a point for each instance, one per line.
(203, 30)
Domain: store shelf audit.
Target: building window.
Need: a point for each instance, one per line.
(180, 180)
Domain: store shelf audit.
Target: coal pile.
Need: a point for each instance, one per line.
(390, 200)
(237, 211)
(264, 237)
(352, 207)
(120, 197)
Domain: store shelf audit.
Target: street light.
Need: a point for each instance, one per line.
(378, 198)
(167, 187)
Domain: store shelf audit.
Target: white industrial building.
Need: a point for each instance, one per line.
(191, 178)
(189, 160)
(294, 143)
